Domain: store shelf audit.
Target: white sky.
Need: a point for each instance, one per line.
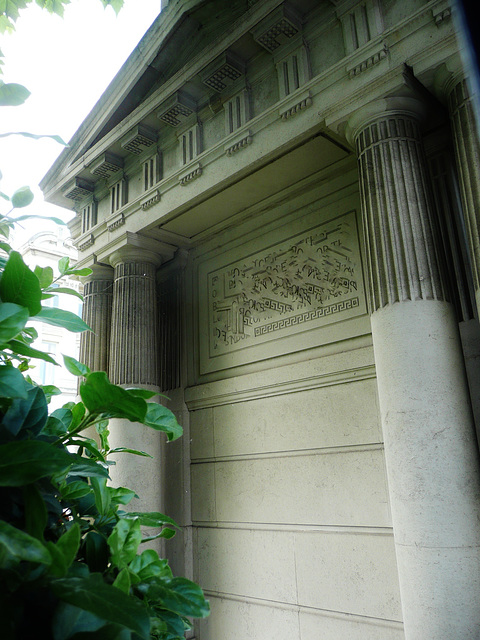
(66, 64)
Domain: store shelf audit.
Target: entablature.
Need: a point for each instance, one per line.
(230, 99)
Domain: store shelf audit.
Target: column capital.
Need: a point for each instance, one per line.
(380, 109)
(134, 254)
(99, 272)
(132, 247)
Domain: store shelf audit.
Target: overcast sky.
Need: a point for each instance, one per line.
(66, 64)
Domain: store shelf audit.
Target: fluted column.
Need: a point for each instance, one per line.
(97, 313)
(430, 451)
(467, 153)
(133, 362)
(134, 348)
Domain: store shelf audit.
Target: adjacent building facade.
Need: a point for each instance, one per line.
(45, 249)
(279, 202)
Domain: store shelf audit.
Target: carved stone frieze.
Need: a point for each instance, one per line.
(303, 282)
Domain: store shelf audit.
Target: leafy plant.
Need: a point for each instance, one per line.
(70, 559)
(71, 564)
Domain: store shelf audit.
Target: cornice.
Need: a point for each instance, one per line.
(166, 24)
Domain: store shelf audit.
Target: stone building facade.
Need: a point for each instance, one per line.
(279, 201)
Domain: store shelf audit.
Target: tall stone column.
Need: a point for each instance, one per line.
(467, 153)
(134, 340)
(133, 362)
(430, 450)
(97, 313)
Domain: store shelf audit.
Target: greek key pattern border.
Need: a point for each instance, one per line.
(337, 307)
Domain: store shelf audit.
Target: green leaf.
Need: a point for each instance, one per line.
(67, 290)
(75, 490)
(61, 318)
(105, 601)
(69, 621)
(12, 94)
(86, 271)
(87, 468)
(150, 518)
(122, 581)
(102, 495)
(63, 265)
(103, 433)
(26, 461)
(50, 390)
(29, 414)
(58, 567)
(64, 415)
(96, 551)
(69, 544)
(78, 412)
(16, 346)
(115, 4)
(29, 216)
(13, 319)
(75, 367)
(133, 451)
(162, 419)
(100, 396)
(86, 443)
(35, 511)
(12, 383)
(141, 393)
(124, 541)
(30, 334)
(180, 596)
(164, 533)
(22, 198)
(20, 285)
(121, 495)
(22, 546)
(44, 275)
(34, 136)
(148, 565)
(54, 428)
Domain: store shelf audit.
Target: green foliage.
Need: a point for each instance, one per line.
(68, 549)
(9, 9)
(70, 560)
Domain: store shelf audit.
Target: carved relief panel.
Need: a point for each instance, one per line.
(306, 282)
